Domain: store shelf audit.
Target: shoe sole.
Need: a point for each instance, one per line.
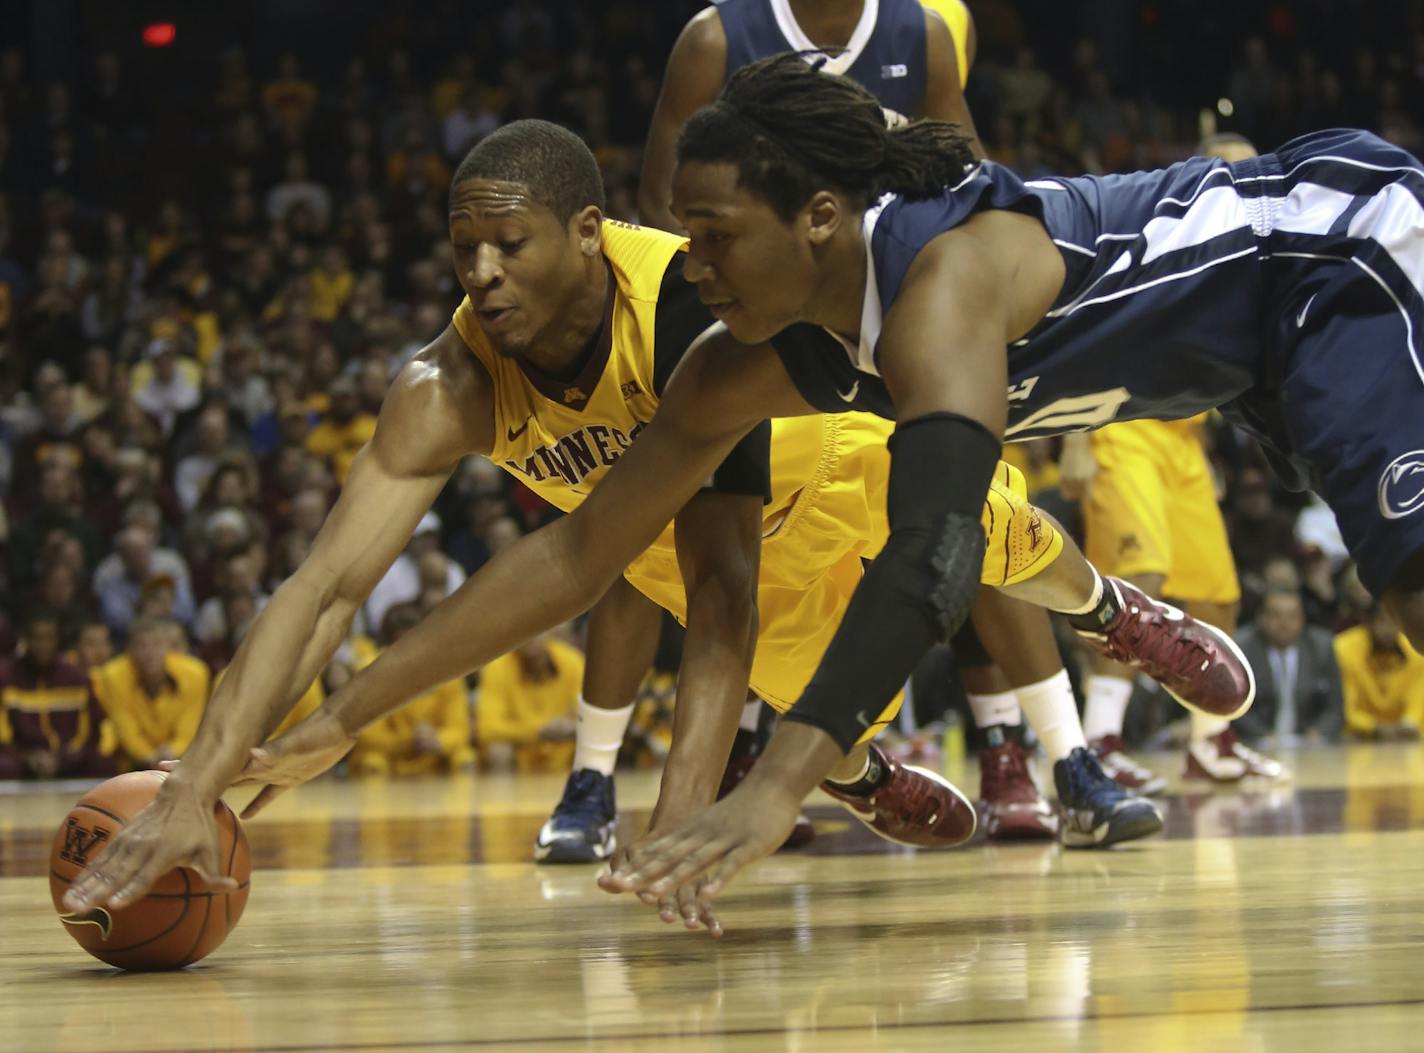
(953, 789)
(565, 852)
(1227, 642)
(1124, 826)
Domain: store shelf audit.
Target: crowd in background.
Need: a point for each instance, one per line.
(211, 271)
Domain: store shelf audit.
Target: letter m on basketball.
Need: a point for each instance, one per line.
(79, 842)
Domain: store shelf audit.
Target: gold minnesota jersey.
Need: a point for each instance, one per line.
(560, 437)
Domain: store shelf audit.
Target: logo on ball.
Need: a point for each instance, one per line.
(1401, 487)
(79, 841)
(96, 916)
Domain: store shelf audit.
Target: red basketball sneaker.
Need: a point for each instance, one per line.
(1009, 801)
(910, 806)
(1199, 665)
(1224, 758)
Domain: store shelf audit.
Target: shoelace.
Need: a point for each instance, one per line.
(584, 797)
(1160, 651)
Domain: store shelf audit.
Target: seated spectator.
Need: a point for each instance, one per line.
(120, 578)
(405, 580)
(1298, 695)
(95, 387)
(1383, 679)
(527, 707)
(236, 576)
(55, 440)
(344, 430)
(154, 694)
(50, 724)
(171, 388)
(213, 443)
(93, 645)
(58, 507)
(331, 284)
(430, 733)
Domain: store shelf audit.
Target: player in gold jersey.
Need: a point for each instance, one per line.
(1151, 516)
(564, 318)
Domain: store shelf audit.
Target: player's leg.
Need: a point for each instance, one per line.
(1024, 544)
(623, 633)
(1011, 807)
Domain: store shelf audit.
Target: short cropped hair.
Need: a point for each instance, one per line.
(554, 163)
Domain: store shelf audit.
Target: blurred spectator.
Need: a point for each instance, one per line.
(527, 705)
(94, 389)
(93, 645)
(154, 693)
(1298, 693)
(191, 475)
(344, 431)
(56, 439)
(50, 724)
(171, 387)
(411, 571)
(1383, 679)
(298, 190)
(137, 560)
(430, 733)
(58, 507)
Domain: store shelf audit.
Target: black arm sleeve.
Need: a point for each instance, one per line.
(681, 319)
(921, 586)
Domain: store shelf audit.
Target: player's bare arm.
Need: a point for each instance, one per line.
(720, 391)
(437, 411)
(949, 394)
(694, 75)
(944, 98)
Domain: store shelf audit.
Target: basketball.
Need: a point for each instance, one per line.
(180, 921)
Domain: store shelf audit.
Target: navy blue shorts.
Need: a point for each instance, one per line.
(1342, 398)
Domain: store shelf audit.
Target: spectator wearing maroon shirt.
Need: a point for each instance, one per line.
(51, 726)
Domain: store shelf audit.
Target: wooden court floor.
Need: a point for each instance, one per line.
(405, 916)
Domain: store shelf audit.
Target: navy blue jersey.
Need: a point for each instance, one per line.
(1285, 289)
(886, 52)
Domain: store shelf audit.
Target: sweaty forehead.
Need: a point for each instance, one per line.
(477, 199)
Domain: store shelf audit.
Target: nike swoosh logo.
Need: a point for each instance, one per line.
(96, 916)
(849, 396)
(512, 433)
(1300, 318)
(864, 720)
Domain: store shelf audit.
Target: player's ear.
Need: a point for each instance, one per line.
(587, 226)
(823, 213)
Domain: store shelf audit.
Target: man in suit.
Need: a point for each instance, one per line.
(1298, 696)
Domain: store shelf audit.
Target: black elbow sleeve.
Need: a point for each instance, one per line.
(921, 586)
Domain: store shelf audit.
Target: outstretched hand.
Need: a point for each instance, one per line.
(703, 854)
(304, 752)
(687, 904)
(178, 829)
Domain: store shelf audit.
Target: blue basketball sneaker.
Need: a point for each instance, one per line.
(1097, 812)
(582, 826)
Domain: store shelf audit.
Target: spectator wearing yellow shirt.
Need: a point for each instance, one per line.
(345, 430)
(1383, 678)
(528, 703)
(331, 284)
(154, 694)
(427, 735)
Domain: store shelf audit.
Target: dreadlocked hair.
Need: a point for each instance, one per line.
(792, 130)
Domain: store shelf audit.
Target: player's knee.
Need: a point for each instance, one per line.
(956, 562)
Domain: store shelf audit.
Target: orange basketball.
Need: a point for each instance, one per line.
(180, 921)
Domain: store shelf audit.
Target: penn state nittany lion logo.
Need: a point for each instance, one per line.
(1401, 487)
(79, 841)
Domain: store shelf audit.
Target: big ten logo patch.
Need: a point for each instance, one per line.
(79, 841)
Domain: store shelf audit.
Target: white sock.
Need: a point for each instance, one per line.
(1052, 712)
(1204, 726)
(751, 715)
(999, 708)
(1093, 600)
(1106, 705)
(600, 736)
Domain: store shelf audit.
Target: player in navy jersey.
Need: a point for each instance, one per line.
(893, 273)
